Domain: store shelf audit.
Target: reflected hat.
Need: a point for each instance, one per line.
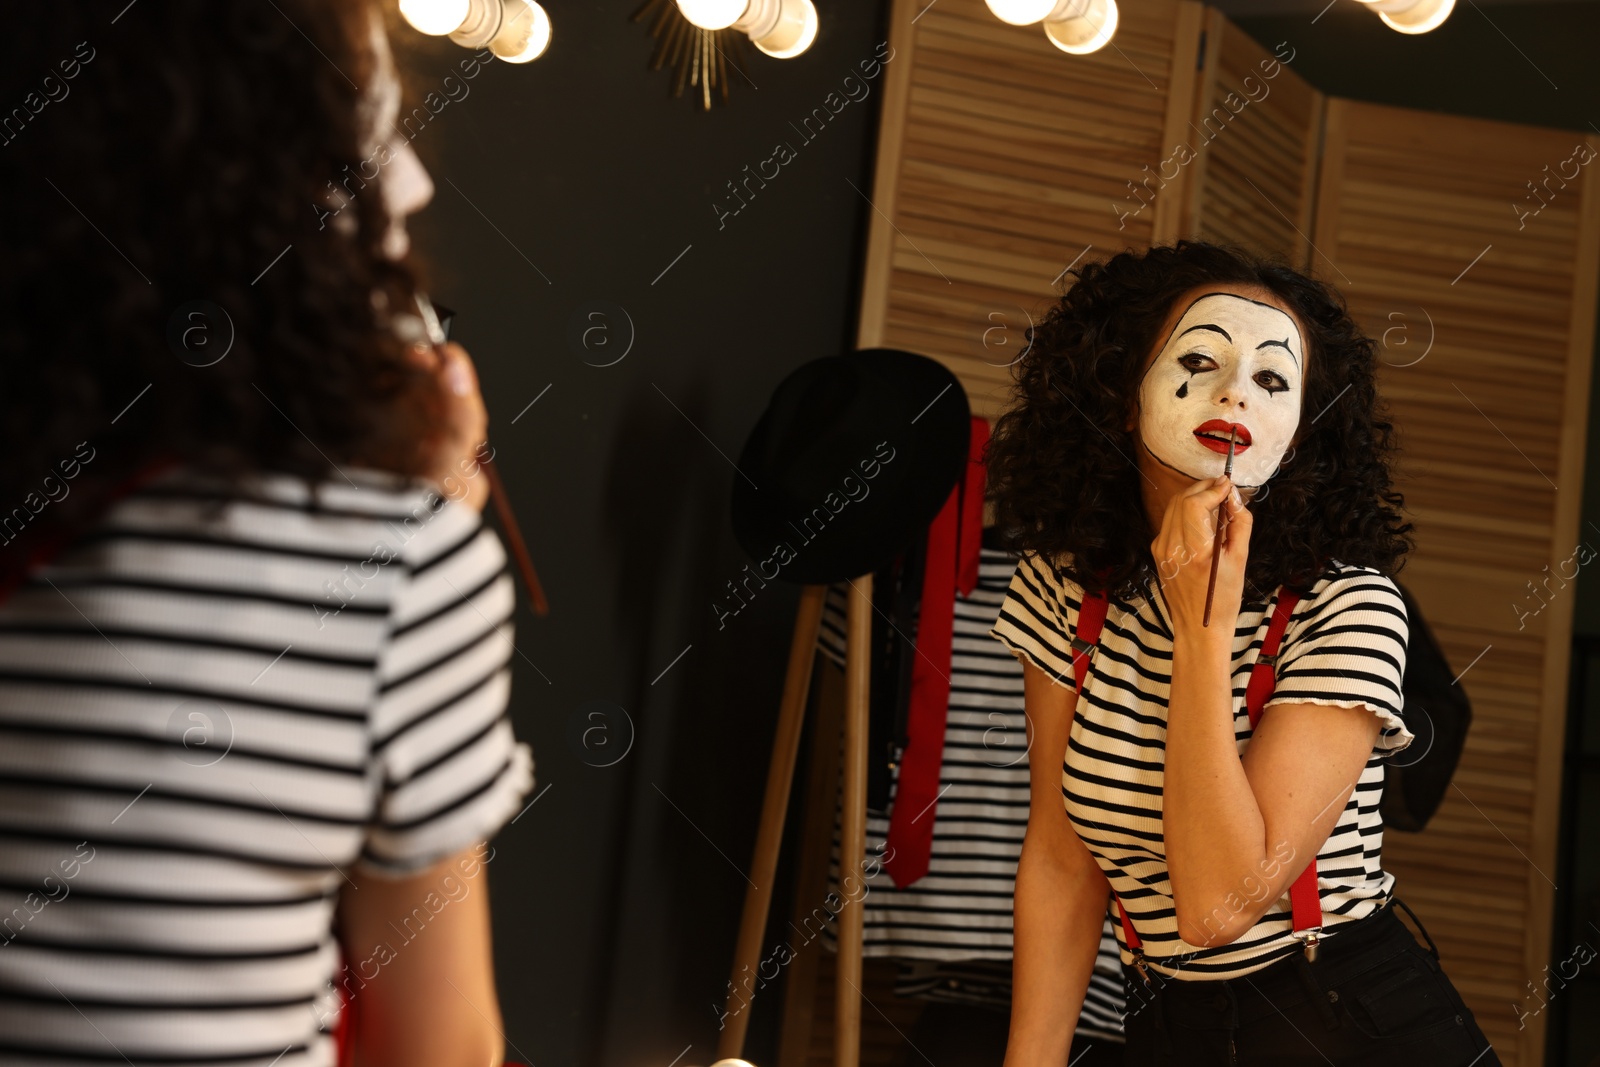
(852, 458)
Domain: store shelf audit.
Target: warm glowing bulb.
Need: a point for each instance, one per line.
(1021, 12)
(1088, 31)
(524, 32)
(713, 14)
(1420, 18)
(796, 29)
(435, 17)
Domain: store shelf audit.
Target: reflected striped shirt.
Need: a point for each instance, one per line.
(214, 707)
(1345, 646)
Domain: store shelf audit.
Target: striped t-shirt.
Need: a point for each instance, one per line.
(1345, 645)
(214, 707)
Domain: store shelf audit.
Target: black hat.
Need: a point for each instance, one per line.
(852, 459)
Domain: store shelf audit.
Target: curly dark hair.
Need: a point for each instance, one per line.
(175, 153)
(1059, 456)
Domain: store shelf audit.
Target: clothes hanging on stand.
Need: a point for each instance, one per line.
(951, 929)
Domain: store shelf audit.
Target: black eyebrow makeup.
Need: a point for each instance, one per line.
(1208, 326)
(1283, 344)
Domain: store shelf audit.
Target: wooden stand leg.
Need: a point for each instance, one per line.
(853, 820)
(803, 975)
(769, 836)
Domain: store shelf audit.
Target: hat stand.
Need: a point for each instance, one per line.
(774, 807)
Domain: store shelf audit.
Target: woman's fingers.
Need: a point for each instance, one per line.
(1236, 549)
(1185, 549)
(454, 445)
(460, 376)
(1198, 509)
(1188, 529)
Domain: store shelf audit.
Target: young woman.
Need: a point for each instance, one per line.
(1151, 792)
(254, 636)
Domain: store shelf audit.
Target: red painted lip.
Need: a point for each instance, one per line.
(1219, 441)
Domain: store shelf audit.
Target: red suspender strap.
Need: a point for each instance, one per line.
(1091, 616)
(1263, 675)
(1303, 894)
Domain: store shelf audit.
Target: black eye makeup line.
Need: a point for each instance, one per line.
(1183, 389)
(1212, 326)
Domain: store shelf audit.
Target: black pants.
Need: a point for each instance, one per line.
(1374, 998)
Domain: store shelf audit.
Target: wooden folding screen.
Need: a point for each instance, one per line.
(1002, 161)
(1254, 133)
(1486, 329)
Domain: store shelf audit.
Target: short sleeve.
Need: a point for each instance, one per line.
(1346, 647)
(1037, 616)
(449, 771)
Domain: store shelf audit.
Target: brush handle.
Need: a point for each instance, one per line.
(1216, 554)
(519, 548)
(1222, 526)
(433, 332)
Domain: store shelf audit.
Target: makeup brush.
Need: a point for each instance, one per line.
(1222, 526)
(434, 332)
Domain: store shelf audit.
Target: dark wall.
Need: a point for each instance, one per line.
(576, 179)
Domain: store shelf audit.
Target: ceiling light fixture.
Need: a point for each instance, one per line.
(781, 28)
(516, 31)
(1075, 26)
(1412, 16)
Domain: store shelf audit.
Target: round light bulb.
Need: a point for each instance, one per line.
(1087, 32)
(524, 32)
(796, 29)
(713, 14)
(1419, 18)
(435, 17)
(1021, 12)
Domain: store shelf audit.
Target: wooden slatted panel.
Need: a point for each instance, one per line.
(1002, 160)
(1415, 225)
(1254, 135)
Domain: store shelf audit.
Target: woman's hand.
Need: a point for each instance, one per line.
(1183, 552)
(459, 443)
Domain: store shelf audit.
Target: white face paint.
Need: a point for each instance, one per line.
(1230, 361)
(402, 179)
(388, 158)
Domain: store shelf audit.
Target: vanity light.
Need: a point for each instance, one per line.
(516, 31)
(1075, 26)
(781, 28)
(1412, 16)
(435, 17)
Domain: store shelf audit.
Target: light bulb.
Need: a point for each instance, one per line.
(524, 32)
(1088, 29)
(713, 14)
(1021, 12)
(1418, 18)
(792, 32)
(435, 17)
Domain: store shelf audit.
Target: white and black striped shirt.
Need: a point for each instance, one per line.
(1345, 645)
(213, 707)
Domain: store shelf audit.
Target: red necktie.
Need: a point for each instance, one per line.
(954, 543)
